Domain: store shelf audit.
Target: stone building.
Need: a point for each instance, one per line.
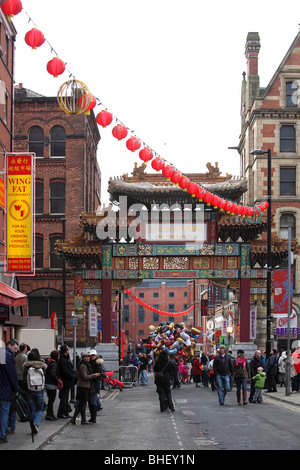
(270, 119)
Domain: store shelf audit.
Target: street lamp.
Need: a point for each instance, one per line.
(269, 242)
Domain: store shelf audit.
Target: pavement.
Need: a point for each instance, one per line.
(21, 440)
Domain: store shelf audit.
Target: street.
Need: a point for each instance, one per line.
(131, 421)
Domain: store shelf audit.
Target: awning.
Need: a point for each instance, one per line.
(10, 296)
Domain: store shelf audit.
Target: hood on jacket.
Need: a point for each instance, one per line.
(35, 364)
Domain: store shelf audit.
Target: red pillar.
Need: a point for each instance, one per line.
(106, 310)
(245, 310)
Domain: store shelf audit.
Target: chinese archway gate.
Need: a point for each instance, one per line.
(233, 252)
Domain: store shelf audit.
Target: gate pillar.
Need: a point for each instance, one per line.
(245, 284)
(106, 310)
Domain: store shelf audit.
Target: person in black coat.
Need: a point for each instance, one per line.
(51, 381)
(271, 368)
(67, 376)
(163, 371)
(223, 370)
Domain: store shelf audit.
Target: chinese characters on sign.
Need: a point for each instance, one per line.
(20, 214)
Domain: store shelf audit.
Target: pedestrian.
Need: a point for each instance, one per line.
(94, 402)
(296, 378)
(8, 385)
(143, 360)
(35, 393)
(256, 361)
(162, 371)
(223, 370)
(204, 369)
(241, 376)
(271, 369)
(21, 357)
(281, 368)
(197, 371)
(51, 383)
(84, 384)
(259, 383)
(174, 379)
(180, 367)
(185, 373)
(211, 374)
(66, 373)
(133, 364)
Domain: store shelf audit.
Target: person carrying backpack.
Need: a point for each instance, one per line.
(34, 383)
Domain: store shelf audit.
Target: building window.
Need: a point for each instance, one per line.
(57, 198)
(171, 294)
(287, 139)
(39, 251)
(141, 314)
(141, 295)
(57, 142)
(55, 261)
(185, 294)
(155, 295)
(171, 308)
(291, 94)
(39, 198)
(126, 313)
(141, 333)
(36, 141)
(287, 181)
(171, 319)
(286, 221)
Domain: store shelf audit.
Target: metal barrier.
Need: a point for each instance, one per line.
(128, 375)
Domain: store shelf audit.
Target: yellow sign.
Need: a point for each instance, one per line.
(19, 213)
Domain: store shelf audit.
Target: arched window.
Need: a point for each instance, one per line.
(57, 142)
(36, 141)
(286, 221)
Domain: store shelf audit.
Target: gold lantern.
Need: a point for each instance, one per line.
(69, 94)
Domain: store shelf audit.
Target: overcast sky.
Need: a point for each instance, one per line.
(171, 71)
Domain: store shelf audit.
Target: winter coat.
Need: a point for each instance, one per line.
(282, 362)
(51, 375)
(296, 359)
(271, 366)
(254, 364)
(259, 380)
(36, 365)
(97, 367)
(66, 371)
(223, 365)
(168, 370)
(8, 376)
(241, 371)
(20, 359)
(196, 367)
(85, 375)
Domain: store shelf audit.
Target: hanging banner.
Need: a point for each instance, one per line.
(253, 315)
(19, 217)
(281, 291)
(93, 320)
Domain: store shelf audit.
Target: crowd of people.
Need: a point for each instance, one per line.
(24, 372)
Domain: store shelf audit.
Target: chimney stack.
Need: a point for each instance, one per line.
(251, 52)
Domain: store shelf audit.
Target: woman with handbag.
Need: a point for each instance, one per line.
(162, 371)
(51, 383)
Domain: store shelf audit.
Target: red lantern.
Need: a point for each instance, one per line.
(104, 118)
(87, 102)
(11, 8)
(184, 182)
(207, 197)
(200, 193)
(133, 143)
(56, 67)
(228, 206)
(158, 163)
(215, 201)
(250, 211)
(119, 132)
(222, 203)
(176, 176)
(168, 170)
(34, 38)
(193, 188)
(146, 154)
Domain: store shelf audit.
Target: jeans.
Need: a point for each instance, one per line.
(4, 415)
(241, 385)
(36, 401)
(144, 379)
(223, 386)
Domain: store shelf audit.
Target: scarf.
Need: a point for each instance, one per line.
(240, 361)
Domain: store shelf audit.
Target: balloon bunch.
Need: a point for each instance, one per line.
(175, 338)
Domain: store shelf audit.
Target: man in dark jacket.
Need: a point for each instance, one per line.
(271, 368)
(256, 361)
(223, 370)
(67, 376)
(8, 384)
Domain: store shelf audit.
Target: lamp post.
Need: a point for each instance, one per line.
(269, 242)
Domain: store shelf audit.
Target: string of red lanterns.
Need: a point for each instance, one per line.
(35, 38)
(157, 310)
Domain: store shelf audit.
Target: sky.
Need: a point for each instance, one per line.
(171, 71)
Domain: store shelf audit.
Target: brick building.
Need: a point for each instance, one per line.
(271, 120)
(67, 184)
(11, 315)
